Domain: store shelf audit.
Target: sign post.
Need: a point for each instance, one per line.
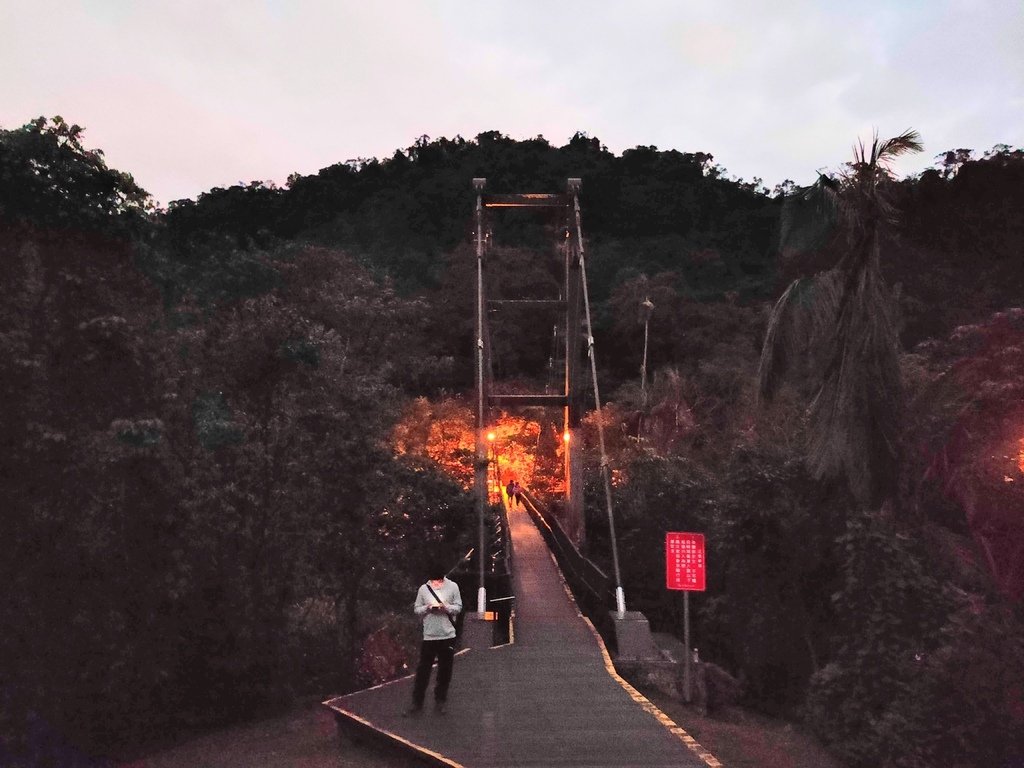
(685, 570)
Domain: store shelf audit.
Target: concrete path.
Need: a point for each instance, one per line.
(549, 698)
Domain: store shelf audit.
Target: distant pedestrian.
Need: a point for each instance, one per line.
(510, 490)
(437, 604)
(519, 494)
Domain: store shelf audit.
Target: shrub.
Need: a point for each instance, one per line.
(971, 691)
(864, 704)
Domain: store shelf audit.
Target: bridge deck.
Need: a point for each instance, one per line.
(550, 698)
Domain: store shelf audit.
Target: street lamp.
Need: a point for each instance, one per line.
(496, 479)
(646, 308)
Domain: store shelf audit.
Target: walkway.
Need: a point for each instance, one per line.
(551, 698)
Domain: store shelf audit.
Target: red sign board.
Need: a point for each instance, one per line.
(684, 561)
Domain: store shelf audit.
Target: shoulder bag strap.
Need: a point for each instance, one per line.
(439, 600)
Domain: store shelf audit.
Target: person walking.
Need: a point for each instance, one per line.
(438, 603)
(510, 491)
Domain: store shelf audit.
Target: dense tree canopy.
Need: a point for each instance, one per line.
(650, 207)
(227, 421)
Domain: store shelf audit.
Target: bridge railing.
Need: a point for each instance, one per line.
(497, 574)
(590, 586)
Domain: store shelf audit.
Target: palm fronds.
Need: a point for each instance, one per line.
(907, 142)
(842, 324)
(800, 322)
(854, 417)
(809, 215)
(778, 347)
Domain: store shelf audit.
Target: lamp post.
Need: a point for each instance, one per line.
(496, 475)
(646, 308)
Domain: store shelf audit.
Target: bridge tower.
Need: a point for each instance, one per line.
(573, 307)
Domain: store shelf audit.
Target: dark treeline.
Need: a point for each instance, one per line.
(204, 513)
(403, 213)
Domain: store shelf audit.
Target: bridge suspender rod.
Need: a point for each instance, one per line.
(480, 466)
(620, 598)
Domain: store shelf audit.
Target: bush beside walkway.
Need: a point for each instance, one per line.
(743, 739)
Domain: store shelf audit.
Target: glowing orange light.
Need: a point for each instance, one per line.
(566, 437)
(444, 431)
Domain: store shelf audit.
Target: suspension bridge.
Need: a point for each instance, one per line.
(551, 694)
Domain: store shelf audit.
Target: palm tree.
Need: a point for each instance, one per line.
(839, 325)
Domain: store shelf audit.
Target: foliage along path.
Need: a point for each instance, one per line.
(551, 697)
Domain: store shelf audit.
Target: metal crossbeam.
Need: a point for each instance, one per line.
(554, 401)
(527, 200)
(555, 303)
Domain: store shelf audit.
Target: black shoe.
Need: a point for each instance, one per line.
(415, 709)
(440, 707)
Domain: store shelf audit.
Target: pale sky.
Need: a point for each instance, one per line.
(188, 95)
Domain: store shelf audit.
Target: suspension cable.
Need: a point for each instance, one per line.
(620, 598)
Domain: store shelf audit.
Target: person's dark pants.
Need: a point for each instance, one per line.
(444, 652)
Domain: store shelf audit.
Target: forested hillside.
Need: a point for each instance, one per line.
(225, 459)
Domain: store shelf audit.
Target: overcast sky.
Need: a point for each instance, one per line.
(187, 95)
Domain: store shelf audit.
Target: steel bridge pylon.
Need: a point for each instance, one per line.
(574, 308)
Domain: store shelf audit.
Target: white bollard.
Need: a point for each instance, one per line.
(481, 600)
(620, 602)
